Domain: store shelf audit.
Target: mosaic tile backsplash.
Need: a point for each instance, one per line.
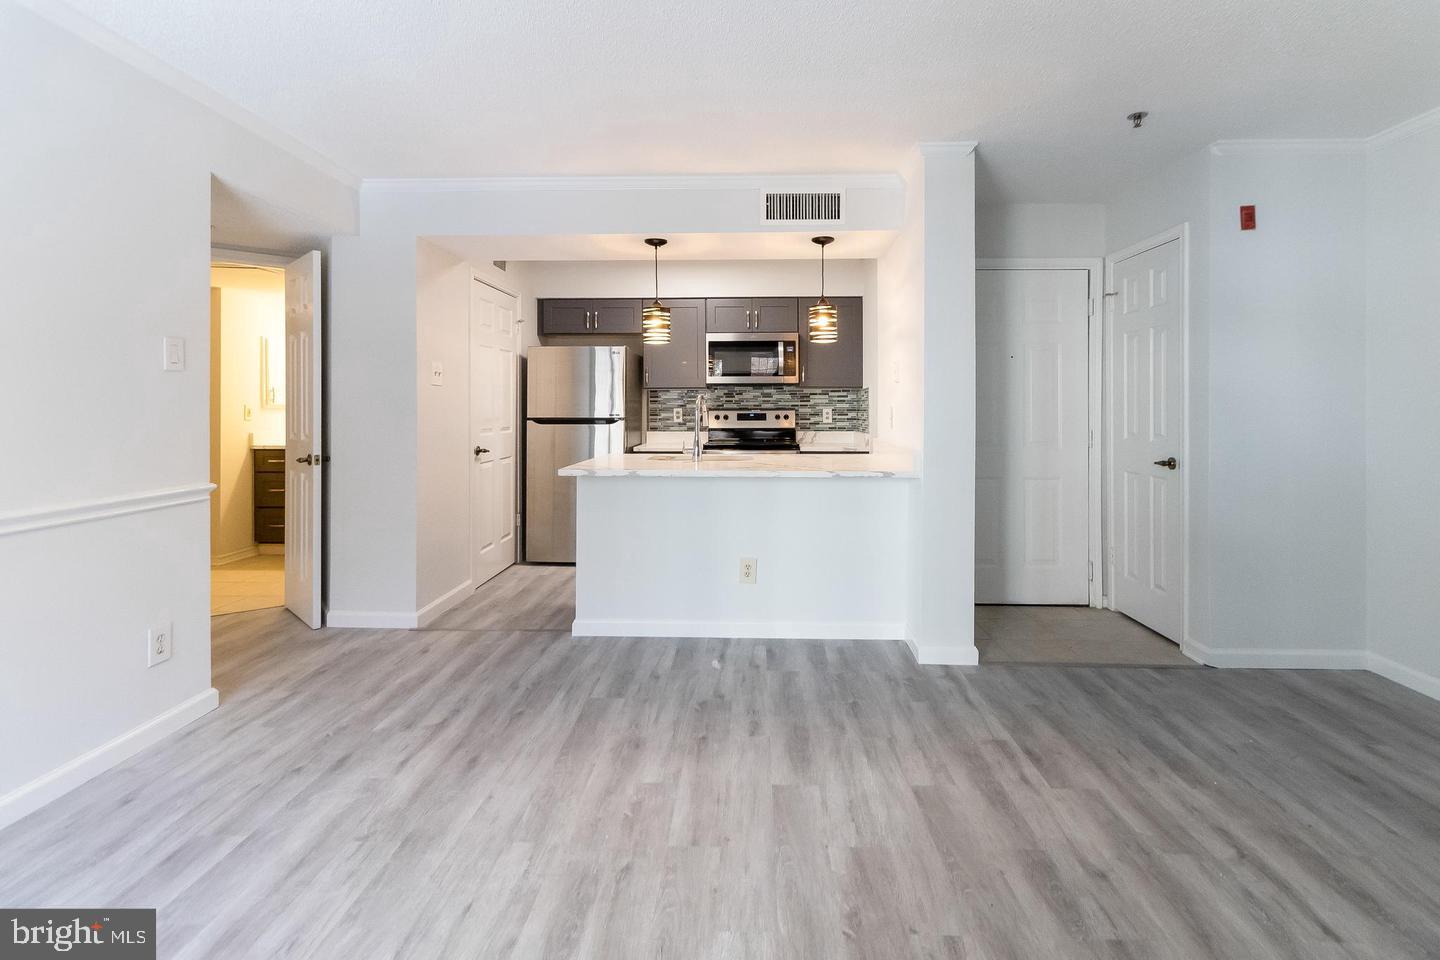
(850, 406)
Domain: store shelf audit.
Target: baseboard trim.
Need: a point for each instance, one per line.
(371, 619)
(931, 654)
(31, 796)
(432, 611)
(89, 510)
(244, 553)
(1271, 659)
(742, 629)
(1416, 680)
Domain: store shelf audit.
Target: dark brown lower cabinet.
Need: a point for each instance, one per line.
(269, 479)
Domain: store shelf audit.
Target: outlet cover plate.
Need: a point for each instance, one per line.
(748, 570)
(159, 642)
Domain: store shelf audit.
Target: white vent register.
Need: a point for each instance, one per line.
(811, 207)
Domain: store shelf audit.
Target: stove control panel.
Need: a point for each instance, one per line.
(753, 419)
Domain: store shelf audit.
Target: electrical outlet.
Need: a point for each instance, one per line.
(677, 415)
(437, 374)
(159, 643)
(827, 414)
(249, 412)
(747, 569)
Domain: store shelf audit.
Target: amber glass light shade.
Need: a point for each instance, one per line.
(824, 322)
(655, 323)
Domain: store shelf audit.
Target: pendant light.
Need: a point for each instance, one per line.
(824, 321)
(655, 318)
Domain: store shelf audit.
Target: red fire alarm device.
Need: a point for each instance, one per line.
(1247, 217)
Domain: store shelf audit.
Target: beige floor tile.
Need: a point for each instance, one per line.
(1069, 635)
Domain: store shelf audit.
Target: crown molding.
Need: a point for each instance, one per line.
(1405, 129)
(70, 20)
(787, 182)
(1221, 148)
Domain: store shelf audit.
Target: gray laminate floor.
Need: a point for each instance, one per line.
(500, 790)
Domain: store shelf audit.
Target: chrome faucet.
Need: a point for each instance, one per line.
(700, 410)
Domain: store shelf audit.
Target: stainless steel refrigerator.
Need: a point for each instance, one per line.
(580, 402)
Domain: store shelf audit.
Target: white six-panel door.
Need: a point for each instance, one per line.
(1032, 436)
(303, 490)
(493, 413)
(1147, 424)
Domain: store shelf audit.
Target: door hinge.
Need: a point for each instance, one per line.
(1091, 303)
(1092, 571)
(1092, 439)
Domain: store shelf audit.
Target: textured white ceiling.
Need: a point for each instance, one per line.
(446, 88)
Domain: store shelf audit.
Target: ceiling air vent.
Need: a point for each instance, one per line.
(803, 206)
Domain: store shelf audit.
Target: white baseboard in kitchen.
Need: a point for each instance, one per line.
(741, 629)
(940, 655)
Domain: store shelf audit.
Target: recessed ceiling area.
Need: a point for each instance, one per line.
(518, 87)
(854, 245)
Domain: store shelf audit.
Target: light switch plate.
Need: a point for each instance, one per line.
(173, 358)
(437, 374)
(677, 415)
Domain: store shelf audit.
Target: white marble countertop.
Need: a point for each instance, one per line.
(267, 446)
(742, 465)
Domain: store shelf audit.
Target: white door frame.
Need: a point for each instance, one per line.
(477, 277)
(1094, 268)
(1180, 232)
(225, 255)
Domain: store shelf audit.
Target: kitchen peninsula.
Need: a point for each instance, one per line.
(785, 545)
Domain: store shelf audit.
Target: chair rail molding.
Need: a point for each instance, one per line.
(87, 511)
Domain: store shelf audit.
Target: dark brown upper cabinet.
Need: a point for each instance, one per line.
(752, 315)
(838, 364)
(681, 362)
(613, 316)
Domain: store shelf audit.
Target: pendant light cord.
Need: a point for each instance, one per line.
(657, 274)
(822, 271)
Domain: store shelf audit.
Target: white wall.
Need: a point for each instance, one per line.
(1287, 399)
(927, 290)
(1040, 230)
(442, 312)
(374, 363)
(252, 306)
(1313, 446)
(897, 391)
(1402, 411)
(108, 197)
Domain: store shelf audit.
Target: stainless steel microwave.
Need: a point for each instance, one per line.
(741, 358)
